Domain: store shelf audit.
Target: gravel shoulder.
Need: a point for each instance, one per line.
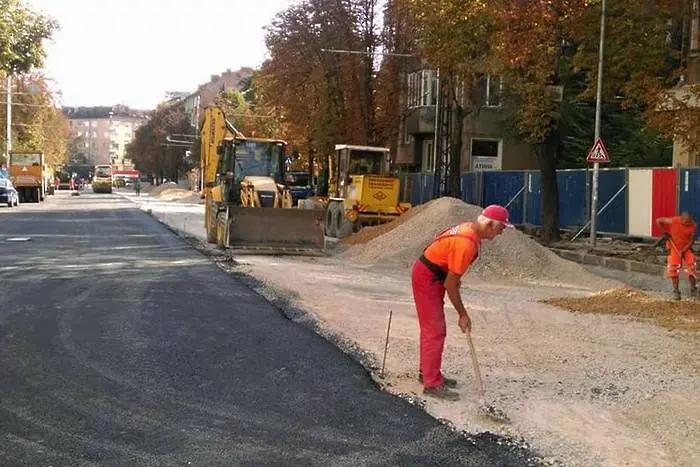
(585, 389)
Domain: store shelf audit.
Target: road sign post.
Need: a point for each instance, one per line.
(598, 149)
(597, 155)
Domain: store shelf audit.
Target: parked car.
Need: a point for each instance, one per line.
(8, 194)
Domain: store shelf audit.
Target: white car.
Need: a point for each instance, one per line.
(8, 194)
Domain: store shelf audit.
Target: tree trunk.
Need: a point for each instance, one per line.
(547, 155)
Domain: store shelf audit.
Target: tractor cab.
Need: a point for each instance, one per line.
(246, 161)
(350, 162)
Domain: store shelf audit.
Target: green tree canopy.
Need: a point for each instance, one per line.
(22, 33)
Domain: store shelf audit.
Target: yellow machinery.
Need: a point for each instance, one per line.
(359, 190)
(102, 180)
(28, 174)
(247, 206)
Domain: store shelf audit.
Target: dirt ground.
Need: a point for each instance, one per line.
(683, 315)
(601, 381)
(582, 388)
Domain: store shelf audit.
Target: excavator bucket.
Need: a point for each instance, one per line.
(276, 231)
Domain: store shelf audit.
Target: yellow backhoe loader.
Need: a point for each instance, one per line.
(360, 191)
(247, 206)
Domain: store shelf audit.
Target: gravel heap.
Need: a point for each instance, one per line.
(157, 190)
(513, 255)
(372, 232)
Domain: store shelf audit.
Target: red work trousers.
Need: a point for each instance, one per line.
(429, 296)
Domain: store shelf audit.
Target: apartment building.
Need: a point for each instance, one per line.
(195, 103)
(100, 134)
(485, 144)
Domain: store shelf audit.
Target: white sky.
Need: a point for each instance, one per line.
(132, 52)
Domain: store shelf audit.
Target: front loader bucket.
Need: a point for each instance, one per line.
(275, 231)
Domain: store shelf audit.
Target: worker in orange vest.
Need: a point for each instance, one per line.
(680, 232)
(437, 271)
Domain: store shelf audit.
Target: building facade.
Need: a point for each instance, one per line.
(195, 103)
(99, 135)
(485, 145)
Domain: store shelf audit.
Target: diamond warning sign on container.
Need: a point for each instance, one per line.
(598, 153)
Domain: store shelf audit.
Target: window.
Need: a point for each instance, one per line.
(422, 88)
(490, 90)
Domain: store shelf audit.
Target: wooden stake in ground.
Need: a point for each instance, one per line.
(386, 343)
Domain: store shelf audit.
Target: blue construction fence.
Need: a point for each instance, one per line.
(520, 191)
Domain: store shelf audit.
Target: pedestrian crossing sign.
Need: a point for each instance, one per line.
(598, 153)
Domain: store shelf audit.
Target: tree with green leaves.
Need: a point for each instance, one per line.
(22, 33)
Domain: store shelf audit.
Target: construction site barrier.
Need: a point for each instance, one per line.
(629, 199)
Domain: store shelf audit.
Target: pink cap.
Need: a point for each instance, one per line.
(497, 213)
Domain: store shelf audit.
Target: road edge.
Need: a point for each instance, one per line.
(368, 361)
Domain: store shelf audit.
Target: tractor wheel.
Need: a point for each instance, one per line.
(211, 228)
(344, 227)
(329, 225)
(221, 230)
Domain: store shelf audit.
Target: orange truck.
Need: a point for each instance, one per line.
(28, 173)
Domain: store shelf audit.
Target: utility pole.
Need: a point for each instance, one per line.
(9, 117)
(598, 110)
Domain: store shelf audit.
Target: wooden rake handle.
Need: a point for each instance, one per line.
(475, 365)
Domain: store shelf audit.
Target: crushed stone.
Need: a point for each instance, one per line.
(512, 256)
(158, 190)
(370, 233)
(677, 315)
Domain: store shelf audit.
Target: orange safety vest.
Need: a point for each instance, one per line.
(454, 231)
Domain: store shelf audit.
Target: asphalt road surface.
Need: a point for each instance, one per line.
(121, 345)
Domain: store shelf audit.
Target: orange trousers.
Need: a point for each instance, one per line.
(674, 261)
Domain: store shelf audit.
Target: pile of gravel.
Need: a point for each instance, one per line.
(157, 190)
(372, 232)
(513, 255)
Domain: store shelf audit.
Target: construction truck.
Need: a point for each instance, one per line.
(248, 208)
(360, 191)
(28, 173)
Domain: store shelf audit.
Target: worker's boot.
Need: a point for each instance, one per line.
(676, 294)
(441, 392)
(449, 382)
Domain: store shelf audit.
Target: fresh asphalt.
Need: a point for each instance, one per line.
(122, 345)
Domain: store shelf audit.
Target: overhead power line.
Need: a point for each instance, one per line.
(363, 52)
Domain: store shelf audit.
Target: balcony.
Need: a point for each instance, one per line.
(420, 120)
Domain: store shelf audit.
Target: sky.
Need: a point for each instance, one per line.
(132, 52)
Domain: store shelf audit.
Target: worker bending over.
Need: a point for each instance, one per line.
(681, 231)
(440, 269)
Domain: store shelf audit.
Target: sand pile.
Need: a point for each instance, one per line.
(191, 198)
(173, 194)
(157, 190)
(671, 314)
(512, 256)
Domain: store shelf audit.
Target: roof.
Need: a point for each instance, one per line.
(338, 147)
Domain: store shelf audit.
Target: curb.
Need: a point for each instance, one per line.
(619, 264)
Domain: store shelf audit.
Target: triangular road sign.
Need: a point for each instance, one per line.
(598, 153)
